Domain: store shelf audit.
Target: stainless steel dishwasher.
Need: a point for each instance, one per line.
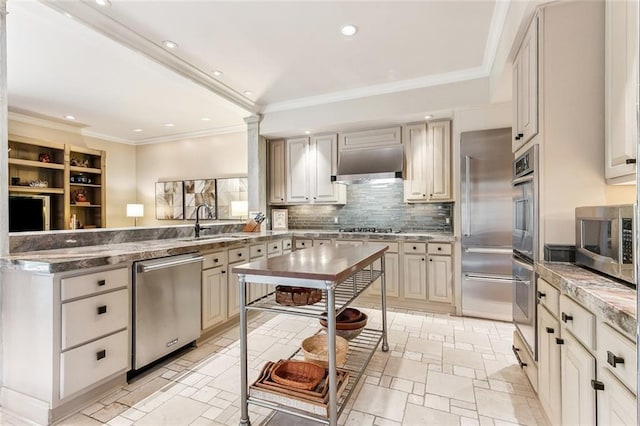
(166, 306)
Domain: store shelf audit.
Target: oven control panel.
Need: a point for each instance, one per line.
(627, 241)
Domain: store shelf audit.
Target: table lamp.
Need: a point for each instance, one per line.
(135, 211)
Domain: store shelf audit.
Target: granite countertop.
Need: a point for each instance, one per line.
(74, 258)
(610, 300)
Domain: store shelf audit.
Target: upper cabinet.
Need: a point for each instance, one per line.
(85, 186)
(310, 162)
(370, 138)
(277, 172)
(525, 89)
(428, 162)
(621, 90)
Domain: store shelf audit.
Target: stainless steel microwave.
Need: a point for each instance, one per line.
(604, 240)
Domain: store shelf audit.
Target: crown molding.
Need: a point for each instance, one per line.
(109, 27)
(495, 32)
(191, 135)
(44, 122)
(103, 136)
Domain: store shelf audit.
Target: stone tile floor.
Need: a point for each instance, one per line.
(440, 370)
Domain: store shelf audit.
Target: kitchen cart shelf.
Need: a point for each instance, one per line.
(36, 190)
(342, 273)
(36, 164)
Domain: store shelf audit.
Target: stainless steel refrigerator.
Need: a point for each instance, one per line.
(485, 180)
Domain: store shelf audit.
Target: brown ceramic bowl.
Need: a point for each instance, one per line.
(349, 321)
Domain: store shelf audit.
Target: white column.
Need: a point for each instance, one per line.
(4, 144)
(257, 165)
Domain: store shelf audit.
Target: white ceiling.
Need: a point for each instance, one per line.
(288, 54)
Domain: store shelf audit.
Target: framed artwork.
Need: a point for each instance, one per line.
(169, 200)
(232, 198)
(197, 192)
(279, 219)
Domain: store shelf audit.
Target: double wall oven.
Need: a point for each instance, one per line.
(525, 245)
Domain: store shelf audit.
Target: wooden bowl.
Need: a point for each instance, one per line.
(316, 350)
(297, 296)
(298, 374)
(351, 324)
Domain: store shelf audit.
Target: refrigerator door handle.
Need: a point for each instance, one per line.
(467, 190)
(488, 278)
(488, 250)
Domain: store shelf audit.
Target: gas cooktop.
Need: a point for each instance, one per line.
(370, 229)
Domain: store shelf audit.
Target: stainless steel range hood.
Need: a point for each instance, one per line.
(364, 165)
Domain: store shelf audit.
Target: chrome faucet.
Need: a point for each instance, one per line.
(198, 227)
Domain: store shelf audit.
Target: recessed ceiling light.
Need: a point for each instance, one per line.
(137, 130)
(170, 44)
(217, 73)
(349, 30)
(426, 117)
(307, 132)
(169, 125)
(106, 3)
(205, 119)
(70, 117)
(247, 92)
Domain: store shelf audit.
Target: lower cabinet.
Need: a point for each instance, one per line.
(549, 384)
(440, 288)
(214, 294)
(391, 273)
(414, 277)
(578, 368)
(616, 404)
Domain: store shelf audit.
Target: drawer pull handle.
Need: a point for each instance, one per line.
(566, 317)
(101, 354)
(559, 341)
(276, 247)
(415, 248)
(239, 254)
(439, 248)
(223, 272)
(259, 250)
(613, 359)
(541, 295)
(550, 330)
(102, 309)
(215, 260)
(597, 385)
(101, 283)
(515, 352)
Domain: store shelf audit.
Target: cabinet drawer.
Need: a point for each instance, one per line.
(239, 255)
(302, 244)
(528, 365)
(286, 244)
(213, 260)
(321, 242)
(257, 250)
(89, 318)
(275, 247)
(90, 363)
(393, 247)
(410, 247)
(439, 248)
(549, 297)
(349, 243)
(617, 354)
(85, 285)
(580, 321)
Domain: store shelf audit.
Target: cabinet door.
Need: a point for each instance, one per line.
(621, 86)
(415, 151)
(324, 151)
(549, 365)
(214, 296)
(439, 161)
(277, 172)
(415, 276)
(616, 405)
(578, 368)
(516, 81)
(233, 307)
(439, 279)
(297, 160)
(529, 78)
(391, 276)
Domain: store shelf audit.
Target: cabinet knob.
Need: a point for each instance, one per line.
(549, 330)
(430, 195)
(215, 260)
(281, 199)
(422, 259)
(259, 250)
(559, 341)
(541, 295)
(520, 135)
(101, 283)
(101, 354)
(415, 248)
(597, 385)
(223, 272)
(102, 309)
(613, 359)
(517, 138)
(439, 248)
(430, 260)
(239, 254)
(314, 198)
(630, 161)
(566, 317)
(424, 195)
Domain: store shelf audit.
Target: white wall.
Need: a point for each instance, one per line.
(121, 164)
(198, 158)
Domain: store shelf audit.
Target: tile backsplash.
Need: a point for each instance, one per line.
(375, 205)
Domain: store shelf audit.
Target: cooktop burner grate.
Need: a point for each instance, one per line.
(368, 229)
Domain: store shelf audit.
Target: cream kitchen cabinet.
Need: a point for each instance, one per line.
(428, 158)
(257, 252)
(214, 289)
(370, 138)
(525, 88)
(310, 163)
(549, 385)
(621, 90)
(439, 279)
(76, 326)
(414, 271)
(236, 256)
(277, 172)
(616, 404)
(391, 270)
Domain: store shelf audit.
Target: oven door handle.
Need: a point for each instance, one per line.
(520, 180)
(526, 266)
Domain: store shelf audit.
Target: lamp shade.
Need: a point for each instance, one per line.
(239, 208)
(135, 210)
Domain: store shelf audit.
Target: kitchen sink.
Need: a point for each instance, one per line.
(211, 238)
